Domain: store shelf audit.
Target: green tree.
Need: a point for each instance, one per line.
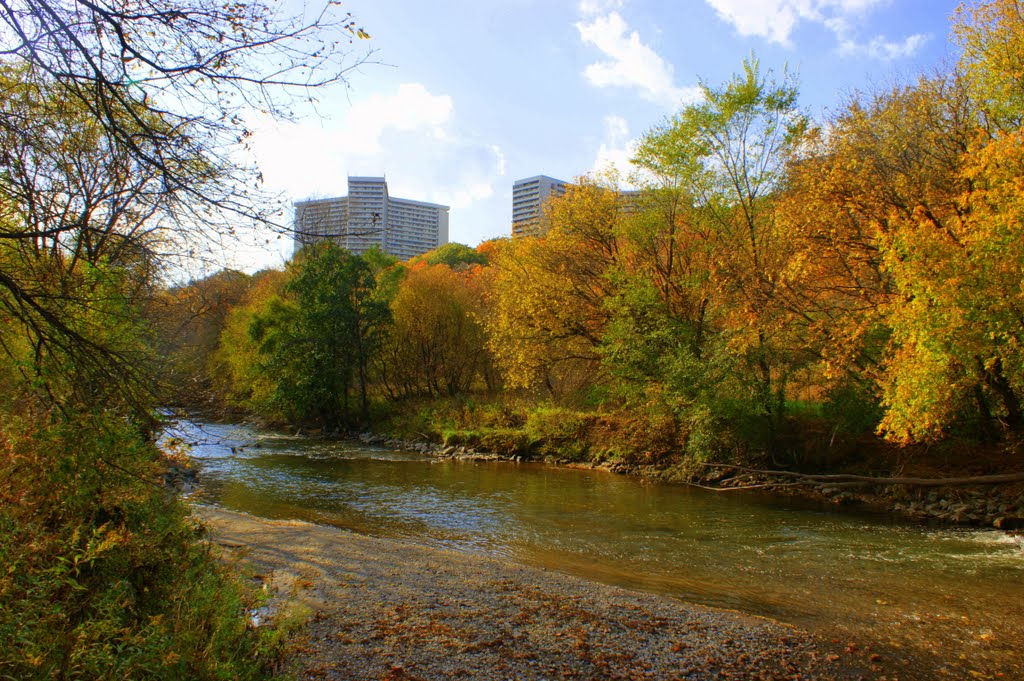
(729, 154)
(317, 340)
(453, 255)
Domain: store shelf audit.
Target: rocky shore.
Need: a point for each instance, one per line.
(1001, 506)
(382, 609)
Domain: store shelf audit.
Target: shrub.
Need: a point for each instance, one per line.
(853, 408)
(560, 433)
(102, 571)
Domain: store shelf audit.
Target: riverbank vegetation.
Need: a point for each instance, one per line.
(116, 128)
(834, 295)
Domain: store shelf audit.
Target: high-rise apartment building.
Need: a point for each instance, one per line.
(530, 195)
(528, 199)
(369, 217)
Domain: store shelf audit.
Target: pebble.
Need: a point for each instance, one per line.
(448, 615)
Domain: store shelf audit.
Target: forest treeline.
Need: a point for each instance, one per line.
(777, 286)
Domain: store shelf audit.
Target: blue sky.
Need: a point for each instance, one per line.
(468, 97)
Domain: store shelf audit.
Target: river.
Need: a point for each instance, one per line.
(943, 599)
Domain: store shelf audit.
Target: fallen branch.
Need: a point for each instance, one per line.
(846, 479)
(738, 488)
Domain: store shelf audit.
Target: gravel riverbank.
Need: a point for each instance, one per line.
(383, 609)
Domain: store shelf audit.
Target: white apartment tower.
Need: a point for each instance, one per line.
(369, 217)
(528, 199)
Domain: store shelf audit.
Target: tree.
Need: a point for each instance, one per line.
(235, 365)
(436, 344)
(957, 332)
(549, 294)
(906, 224)
(75, 207)
(888, 158)
(315, 342)
(169, 82)
(729, 153)
(453, 255)
(991, 35)
(118, 127)
(189, 320)
(119, 123)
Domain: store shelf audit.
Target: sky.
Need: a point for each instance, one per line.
(459, 99)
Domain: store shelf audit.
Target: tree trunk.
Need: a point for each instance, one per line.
(996, 380)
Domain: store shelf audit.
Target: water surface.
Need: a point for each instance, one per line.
(943, 599)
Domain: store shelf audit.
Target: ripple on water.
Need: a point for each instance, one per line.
(922, 589)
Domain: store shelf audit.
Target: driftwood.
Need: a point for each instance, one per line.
(737, 488)
(845, 480)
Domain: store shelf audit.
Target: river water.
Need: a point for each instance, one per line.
(947, 602)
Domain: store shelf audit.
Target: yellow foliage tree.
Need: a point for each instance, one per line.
(436, 344)
(549, 295)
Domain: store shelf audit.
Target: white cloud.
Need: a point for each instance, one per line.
(775, 21)
(592, 7)
(615, 155)
(882, 49)
(409, 134)
(617, 147)
(412, 107)
(630, 62)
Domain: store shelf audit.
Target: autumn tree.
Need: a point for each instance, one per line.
(851, 204)
(235, 367)
(188, 320)
(436, 344)
(726, 159)
(549, 293)
(956, 323)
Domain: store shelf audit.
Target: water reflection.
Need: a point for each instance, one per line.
(949, 593)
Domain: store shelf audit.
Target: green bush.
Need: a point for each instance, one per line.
(853, 408)
(103, 574)
(708, 438)
(559, 432)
